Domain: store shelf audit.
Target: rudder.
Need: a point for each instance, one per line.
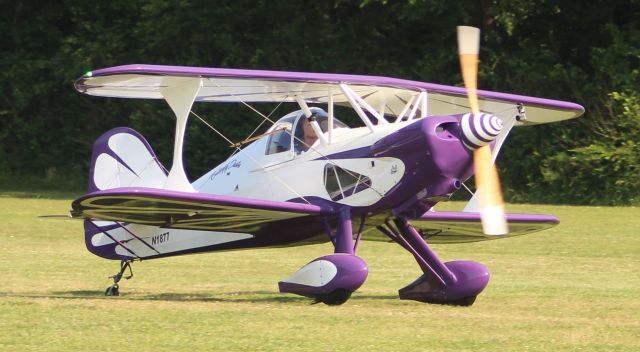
(122, 157)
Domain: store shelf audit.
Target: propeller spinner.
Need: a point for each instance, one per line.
(479, 130)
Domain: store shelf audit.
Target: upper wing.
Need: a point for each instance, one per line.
(458, 227)
(233, 85)
(184, 210)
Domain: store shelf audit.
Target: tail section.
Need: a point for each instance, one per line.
(125, 241)
(123, 158)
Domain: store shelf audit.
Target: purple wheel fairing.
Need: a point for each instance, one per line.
(326, 275)
(470, 279)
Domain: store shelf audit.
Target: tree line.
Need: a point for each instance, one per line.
(587, 53)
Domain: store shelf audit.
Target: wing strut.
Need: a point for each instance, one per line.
(180, 93)
(357, 103)
(420, 104)
(314, 123)
(330, 118)
(473, 205)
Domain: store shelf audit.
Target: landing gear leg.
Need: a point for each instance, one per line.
(113, 290)
(332, 278)
(454, 283)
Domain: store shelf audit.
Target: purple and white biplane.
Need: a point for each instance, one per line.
(311, 178)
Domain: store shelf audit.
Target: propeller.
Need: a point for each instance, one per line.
(478, 131)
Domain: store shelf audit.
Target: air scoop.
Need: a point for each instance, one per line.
(479, 129)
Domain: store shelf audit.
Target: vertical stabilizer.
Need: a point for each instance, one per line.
(123, 158)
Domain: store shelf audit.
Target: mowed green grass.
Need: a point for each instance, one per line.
(574, 287)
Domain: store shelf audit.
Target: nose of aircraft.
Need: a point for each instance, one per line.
(446, 147)
(479, 129)
(438, 151)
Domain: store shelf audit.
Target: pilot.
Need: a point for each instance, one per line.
(305, 135)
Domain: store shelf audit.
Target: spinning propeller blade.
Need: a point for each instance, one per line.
(486, 128)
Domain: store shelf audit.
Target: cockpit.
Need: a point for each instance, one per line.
(296, 131)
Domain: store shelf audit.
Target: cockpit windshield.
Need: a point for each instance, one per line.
(280, 135)
(296, 124)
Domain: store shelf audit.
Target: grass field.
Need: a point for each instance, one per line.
(574, 287)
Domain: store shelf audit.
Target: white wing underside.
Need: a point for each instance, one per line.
(387, 100)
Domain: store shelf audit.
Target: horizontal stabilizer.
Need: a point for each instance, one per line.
(187, 210)
(120, 241)
(125, 223)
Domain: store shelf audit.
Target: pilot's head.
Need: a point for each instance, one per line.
(307, 128)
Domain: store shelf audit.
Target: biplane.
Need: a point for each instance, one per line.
(311, 178)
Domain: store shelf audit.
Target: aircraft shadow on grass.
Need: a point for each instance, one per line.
(238, 297)
(45, 194)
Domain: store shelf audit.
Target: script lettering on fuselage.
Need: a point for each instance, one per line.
(159, 239)
(226, 168)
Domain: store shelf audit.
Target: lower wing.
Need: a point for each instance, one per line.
(459, 227)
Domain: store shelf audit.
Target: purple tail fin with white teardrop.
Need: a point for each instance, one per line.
(121, 157)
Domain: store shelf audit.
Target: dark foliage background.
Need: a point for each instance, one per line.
(587, 52)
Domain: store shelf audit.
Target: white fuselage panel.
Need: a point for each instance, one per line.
(251, 173)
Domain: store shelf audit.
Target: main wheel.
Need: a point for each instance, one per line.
(335, 297)
(463, 302)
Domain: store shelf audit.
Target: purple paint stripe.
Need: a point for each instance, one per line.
(114, 239)
(123, 226)
(474, 129)
(115, 155)
(470, 144)
(321, 77)
(496, 124)
(210, 198)
(486, 124)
